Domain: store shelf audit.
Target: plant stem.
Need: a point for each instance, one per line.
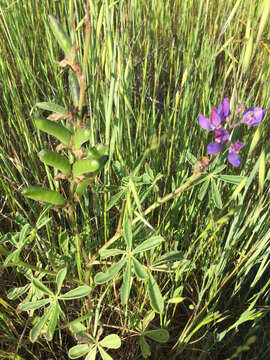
(85, 60)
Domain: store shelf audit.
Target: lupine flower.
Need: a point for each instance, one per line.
(253, 116)
(212, 123)
(234, 158)
(222, 136)
(224, 109)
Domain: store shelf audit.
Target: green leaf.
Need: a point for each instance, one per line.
(158, 335)
(104, 354)
(148, 244)
(54, 316)
(82, 186)
(139, 269)
(43, 288)
(110, 274)
(14, 293)
(77, 327)
(92, 354)
(232, 179)
(46, 195)
(111, 252)
(33, 305)
(60, 278)
(155, 295)
(77, 293)
(216, 194)
(74, 88)
(23, 234)
(262, 172)
(78, 350)
(111, 341)
(80, 137)
(115, 198)
(125, 288)
(58, 161)
(176, 300)
(145, 348)
(36, 330)
(57, 130)
(171, 256)
(85, 166)
(128, 233)
(52, 107)
(60, 35)
(13, 257)
(203, 190)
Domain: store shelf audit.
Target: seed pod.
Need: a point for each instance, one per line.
(85, 166)
(74, 88)
(52, 128)
(60, 35)
(46, 195)
(56, 160)
(80, 137)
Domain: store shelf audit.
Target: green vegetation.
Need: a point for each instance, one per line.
(118, 238)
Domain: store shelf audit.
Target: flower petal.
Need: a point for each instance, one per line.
(224, 109)
(222, 136)
(214, 148)
(215, 119)
(234, 159)
(253, 116)
(205, 123)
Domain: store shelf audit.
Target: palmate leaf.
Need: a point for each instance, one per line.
(148, 244)
(79, 350)
(139, 269)
(158, 335)
(104, 354)
(145, 348)
(36, 330)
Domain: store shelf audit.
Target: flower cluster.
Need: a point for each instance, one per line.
(252, 117)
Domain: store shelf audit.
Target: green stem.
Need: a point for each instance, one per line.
(85, 60)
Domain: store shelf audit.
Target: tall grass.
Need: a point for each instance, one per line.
(153, 66)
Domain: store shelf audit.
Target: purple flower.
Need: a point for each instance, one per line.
(234, 158)
(222, 136)
(253, 116)
(224, 109)
(212, 123)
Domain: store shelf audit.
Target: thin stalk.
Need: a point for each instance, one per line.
(85, 61)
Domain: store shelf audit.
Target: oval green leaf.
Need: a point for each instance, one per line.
(33, 305)
(148, 244)
(57, 130)
(111, 341)
(101, 277)
(139, 269)
(85, 166)
(155, 295)
(77, 293)
(158, 335)
(80, 137)
(46, 195)
(52, 107)
(78, 350)
(56, 160)
(60, 35)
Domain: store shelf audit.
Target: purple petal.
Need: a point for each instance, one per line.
(224, 109)
(205, 123)
(234, 159)
(222, 136)
(253, 116)
(215, 119)
(236, 147)
(214, 148)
